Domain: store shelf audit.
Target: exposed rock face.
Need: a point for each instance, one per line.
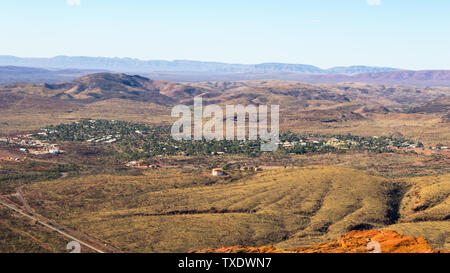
(353, 242)
(357, 242)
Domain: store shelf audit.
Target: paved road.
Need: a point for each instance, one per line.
(16, 209)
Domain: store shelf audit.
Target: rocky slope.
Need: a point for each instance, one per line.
(352, 242)
(103, 86)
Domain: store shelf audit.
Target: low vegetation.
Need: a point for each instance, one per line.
(15, 174)
(96, 155)
(19, 235)
(137, 141)
(181, 210)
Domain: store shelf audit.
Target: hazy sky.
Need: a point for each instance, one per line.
(412, 34)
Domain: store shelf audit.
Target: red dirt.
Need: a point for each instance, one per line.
(353, 242)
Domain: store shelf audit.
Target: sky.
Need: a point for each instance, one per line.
(409, 34)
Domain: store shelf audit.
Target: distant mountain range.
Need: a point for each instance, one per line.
(32, 74)
(136, 65)
(400, 77)
(60, 69)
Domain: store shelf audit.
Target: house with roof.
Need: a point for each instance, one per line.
(217, 172)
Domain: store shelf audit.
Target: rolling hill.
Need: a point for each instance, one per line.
(101, 86)
(328, 108)
(291, 95)
(398, 77)
(352, 242)
(189, 71)
(421, 78)
(177, 209)
(440, 105)
(181, 210)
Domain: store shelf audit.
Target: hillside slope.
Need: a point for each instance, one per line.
(352, 242)
(182, 210)
(103, 86)
(360, 109)
(95, 87)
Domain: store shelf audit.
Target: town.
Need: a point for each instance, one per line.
(137, 141)
(29, 144)
(141, 141)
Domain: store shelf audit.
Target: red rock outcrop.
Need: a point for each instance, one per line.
(353, 242)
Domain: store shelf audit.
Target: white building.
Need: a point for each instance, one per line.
(217, 172)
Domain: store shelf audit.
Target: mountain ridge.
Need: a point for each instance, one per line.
(135, 95)
(11, 74)
(137, 65)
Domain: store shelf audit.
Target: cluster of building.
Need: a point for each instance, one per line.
(291, 144)
(438, 148)
(52, 149)
(343, 143)
(32, 146)
(8, 158)
(331, 142)
(141, 165)
(105, 139)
